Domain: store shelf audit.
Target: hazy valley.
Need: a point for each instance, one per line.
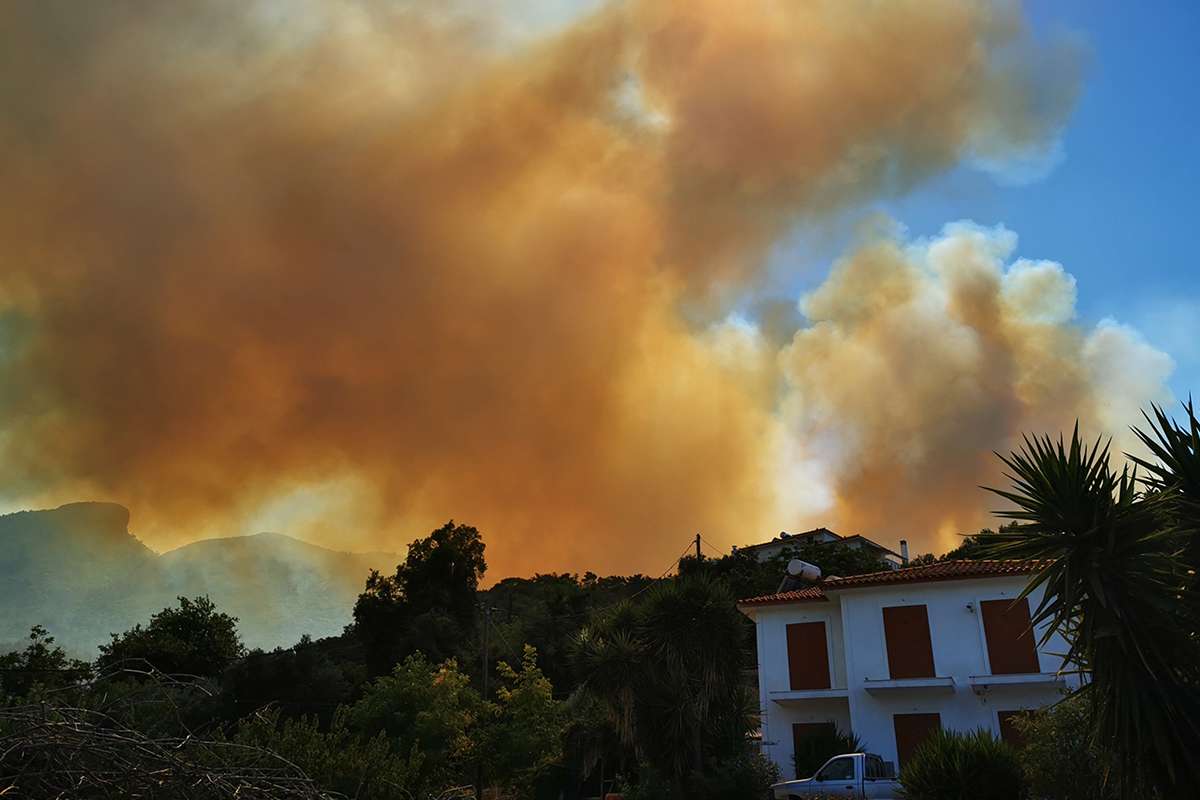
(78, 571)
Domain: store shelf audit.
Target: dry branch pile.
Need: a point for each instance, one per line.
(53, 749)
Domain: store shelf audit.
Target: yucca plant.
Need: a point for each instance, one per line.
(954, 766)
(1120, 588)
(668, 671)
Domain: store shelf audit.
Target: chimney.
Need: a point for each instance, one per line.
(904, 552)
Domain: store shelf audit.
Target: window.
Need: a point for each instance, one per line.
(878, 769)
(808, 658)
(909, 647)
(840, 769)
(1009, 732)
(911, 731)
(1010, 645)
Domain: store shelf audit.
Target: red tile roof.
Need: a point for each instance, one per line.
(807, 594)
(942, 571)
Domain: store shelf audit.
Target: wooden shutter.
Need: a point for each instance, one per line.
(1008, 730)
(911, 731)
(808, 660)
(909, 648)
(1010, 644)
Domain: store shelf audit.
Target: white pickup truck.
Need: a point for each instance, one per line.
(856, 776)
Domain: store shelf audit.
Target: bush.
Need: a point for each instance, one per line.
(40, 665)
(337, 760)
(194, 639)
(953, 766)
(813, 751)
(1060, 757)
(747, 777)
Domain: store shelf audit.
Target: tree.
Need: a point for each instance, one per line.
(442, 572)
(668, 669)
(524, 729)
(428, 709)
(1120, 586)
(302, 680)
(193, 639)
(976, 546)
(40, 664)
(429, 605)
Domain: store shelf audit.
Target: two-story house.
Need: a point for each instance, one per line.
(790, 542)
(894, 655)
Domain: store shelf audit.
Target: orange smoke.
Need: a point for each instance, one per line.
(364, 267)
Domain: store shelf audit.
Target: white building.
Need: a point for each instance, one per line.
(893, 655)
(790, 542)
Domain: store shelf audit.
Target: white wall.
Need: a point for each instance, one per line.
(854, 631)
(772, 642)
(778, 713)
(959, 652)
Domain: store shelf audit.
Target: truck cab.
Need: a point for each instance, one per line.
(856, 776)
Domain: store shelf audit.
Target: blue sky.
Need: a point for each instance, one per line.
(1120, 210)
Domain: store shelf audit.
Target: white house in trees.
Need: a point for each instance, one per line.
(790, 542)
(893, 655)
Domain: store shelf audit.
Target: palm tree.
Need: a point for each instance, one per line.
(669, 671)
(1120, 585)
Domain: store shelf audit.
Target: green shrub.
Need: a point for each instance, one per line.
(1060, 757)
(814, 750)
(962, 766)
(337, 760)
(747, 777)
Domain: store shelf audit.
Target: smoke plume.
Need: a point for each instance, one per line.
(354, 268)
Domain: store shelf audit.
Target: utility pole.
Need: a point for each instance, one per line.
(485, 612)
(487, 618)
(698, 556)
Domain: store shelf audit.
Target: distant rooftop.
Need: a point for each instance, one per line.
(784, 538)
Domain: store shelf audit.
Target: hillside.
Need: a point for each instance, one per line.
(78, 571)
(278, 587)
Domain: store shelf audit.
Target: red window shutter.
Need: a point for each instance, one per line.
(911, 731)
(1008, 730)
(808, 660)
(909, 647)
(1010, 644)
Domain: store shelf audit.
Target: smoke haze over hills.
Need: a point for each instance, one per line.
(350, 269)
(78, 571)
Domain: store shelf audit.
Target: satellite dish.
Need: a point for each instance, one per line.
(803, 570)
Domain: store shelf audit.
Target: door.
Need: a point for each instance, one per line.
(911, 731)
(1009, 732)
(804, 757)
(837, 778)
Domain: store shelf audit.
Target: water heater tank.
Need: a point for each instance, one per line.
(803, 570)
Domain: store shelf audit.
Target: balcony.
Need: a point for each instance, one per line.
(895, 685)
(785, 696)
(982, 683)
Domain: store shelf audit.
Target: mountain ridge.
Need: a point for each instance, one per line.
(79, 571)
